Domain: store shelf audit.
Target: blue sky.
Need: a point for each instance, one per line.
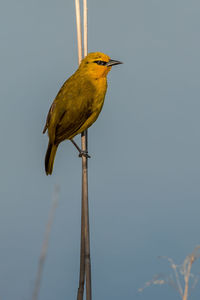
(145, 170)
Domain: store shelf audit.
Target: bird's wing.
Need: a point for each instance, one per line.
(48, 117)
(55, 116)
(77, 96)
(68, 127)
(70, 110)
(53, 108)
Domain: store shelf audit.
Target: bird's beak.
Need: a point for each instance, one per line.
(113, 63)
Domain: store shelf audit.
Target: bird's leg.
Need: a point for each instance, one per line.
(81, 152)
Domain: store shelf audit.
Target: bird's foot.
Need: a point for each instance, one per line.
(81, 152)
(84, 153)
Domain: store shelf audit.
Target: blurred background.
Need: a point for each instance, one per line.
(144, 172)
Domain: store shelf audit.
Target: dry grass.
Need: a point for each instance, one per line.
(181, 278)
(43, 253)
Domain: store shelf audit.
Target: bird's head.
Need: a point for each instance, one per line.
(97, 64)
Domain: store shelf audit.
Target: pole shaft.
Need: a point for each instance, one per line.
(85, 262)
(82, 246)
(84, 142)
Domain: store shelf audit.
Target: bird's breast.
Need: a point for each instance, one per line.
(100, 91)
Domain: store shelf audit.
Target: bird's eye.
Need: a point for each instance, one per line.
(100, 62)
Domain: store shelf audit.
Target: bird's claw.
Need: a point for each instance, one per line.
(84, 153)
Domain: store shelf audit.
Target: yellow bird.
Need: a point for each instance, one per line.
(77, 104)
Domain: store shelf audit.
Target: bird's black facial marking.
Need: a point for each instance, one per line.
(100, 62)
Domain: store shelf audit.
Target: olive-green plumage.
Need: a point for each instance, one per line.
(78, 103)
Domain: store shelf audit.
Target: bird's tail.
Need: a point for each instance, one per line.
(49, 158)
